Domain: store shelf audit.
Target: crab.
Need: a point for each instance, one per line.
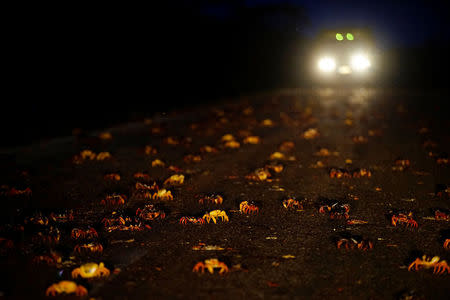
(89, 233)
(149, 213)
(89, 248)
(193, 220)
(439, 267)
(310, 134)
(145, 191)
(105, 136)
(260, 174)
(447, 244)
(277, 156)
(254, 140)
(192, 158)
(115, 219)
(163, 195)
(15, 192)
(170, 140)
(324, 152)
(401, 164)
(216, 214)
(149, 150)
(114, 200)
(213, 198)
(50, 236)
(441, 216)
(336, 210)
(134, 226)
(277, 168)
(103, 156)
(442, 190)
(292, 203)
(286, 146)
(175, 179)
(140, 175)
(84, 155)
(90, 270)
(358, 173)
(210, 265)
(232, 144)
(37, 219)
(51, 259)
(63, 217)
(340, 173)
(403, 218)
(354, 242)
(246, 207)
(158, 163)
(227, 138)
(112, 177)
(208, 149)
(66, 287)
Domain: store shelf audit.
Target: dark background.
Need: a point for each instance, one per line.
(95, 66)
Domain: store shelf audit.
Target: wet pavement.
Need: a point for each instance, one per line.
(354, 162)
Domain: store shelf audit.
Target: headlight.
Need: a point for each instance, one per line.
(327, 64)
(360, 62)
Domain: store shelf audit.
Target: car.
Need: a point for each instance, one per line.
(344, 54)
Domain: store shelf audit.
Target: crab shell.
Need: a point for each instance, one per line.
(67, 287)
(90, 270)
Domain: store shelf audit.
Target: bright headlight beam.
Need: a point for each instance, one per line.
(350, 36)
(339, 36)
(327, 64)
(360, 62)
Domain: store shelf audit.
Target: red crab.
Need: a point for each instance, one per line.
(336, 210)
(441, 216)
(114, 200)
(213, 199)
(355, 243)
(192, 220)
(89, 233)
(247, 207)
(292, 203)
(63, 217)
(149, 213)
(403, 218)
(339, 173)
(447, 244)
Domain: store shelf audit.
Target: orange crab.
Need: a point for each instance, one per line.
(439, 267)
(292, 203)
(158, 163)
(213, 198)
(260, 174)
(232, 144)
(190, 158)
(149, 150)
(401, 164)
(145, 191)
(403, 218)
(340, 173)
(176, 179)
(216, 214)
(91, 270)
(246, 207)
(103, 156)
(51, 259)
(66, 287)
(310, 134)
(163, 195)
(89, 248)
(358, 173)
(252, 139)
(210, 265)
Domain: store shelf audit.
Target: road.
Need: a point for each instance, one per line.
(400, 137)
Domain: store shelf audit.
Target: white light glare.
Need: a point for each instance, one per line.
(360, 62)
(327, 64)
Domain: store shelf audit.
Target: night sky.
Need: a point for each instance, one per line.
(394, 23)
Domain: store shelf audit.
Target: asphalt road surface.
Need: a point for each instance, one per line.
(389, 145)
